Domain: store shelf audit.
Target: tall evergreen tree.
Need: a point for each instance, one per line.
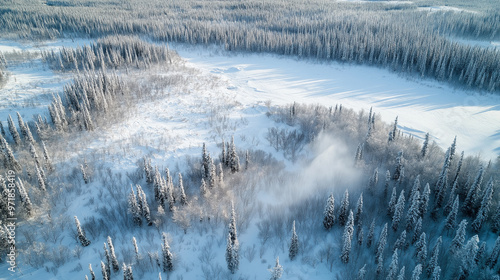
(468, 257)
(399, 166)
(329, 213)
(232, 250)
(205, 162)
(277, 270)
(414, 211)
(347, 238)
(127, 272)
(372, 183)
(344, 209)
(425, 146)
(495, 253)
(293, 250)
(13, 131)
(451, 199)
(424, 200)
(81, 234)
(473, 191)
(168, 264)
(371, 233)
(133, 207)
(400, 243)
(143, 203)
(387, 182)
(105, 275)
(418, 231)
(458, 241)
(398, 211)
(136, 249)
(114, 260)
(417, 271)
(433, 262)
(401, 275)
(382, 241)
(234, 161)
(25, 199)
(362, 273)
(392, 203)
(421, 249)
(393, 267)
(181, 188)
(451, 220)
(92, 274)
(359, 209)
(482, 215)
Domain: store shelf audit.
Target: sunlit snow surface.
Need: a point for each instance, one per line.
(421, 105)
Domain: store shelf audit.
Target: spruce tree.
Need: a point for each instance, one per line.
(344, 208)
(361, 273)
(392, 203)
(205, 162)
(473, 192)
(436, 273)
(371, 233)
(400, 243)
(329, 213)
(231, 265)
(401, 275)
(168, 258)
(398, 211)
(372, 183)
(114, 260)
(108, 260)
(359, 209)
(105, 275)
(92, 274)
(424, 200)
(421, 249)
(433, 262)
(48, 161)
(232, 250)
(482, 215)
(234, 161)
(382, 241)
(399, 166)
(247, 160)
(203, 187)
(347, 238)
(277, 270)
(11, 161)
(183, 194)
(414, 211)
(127, 272)
(294, 244)
(459, 239)
(393, 267)
(468, 256)
(425, 146)
(451, 220)
(13, 131)
(495, 253)
(451, 199)
(136, 249)
(25, 199)
(417, 271)
(81, 234)
(133, 208)
(418, 231)
(143, 203)
(387, 182)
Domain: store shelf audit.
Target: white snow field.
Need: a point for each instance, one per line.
(229, 94)
(421, 105)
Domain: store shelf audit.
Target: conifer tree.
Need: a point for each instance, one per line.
(205, 162)
(372, 183)
(398, 211)
(84, 174)
(143, 204)
(203, 187)
(108, 260)
(183, 194)
(482, 215)
(344, 208)
(221, 175)
(451, 199)
(393, 267)
(13, 131)
(329, 213)
(2, 130)
(41, 181)
(11, 161)
(401, 275)
(234, 161)
(418, 231)
(133, 208)
(417, 271)
(277, 270)
(247, 160)
(294, 244)
(127, 272)
(459, 166)
(424, 200)
(212, 175)
(399, 166)
(468, 256)
(347, 238)
(92, 274)
(451, 220)
(382, 241)
(495, 253)
(473, 191)
(387, 181)
(362, 273)
(114, 260)
(392, 203)
(421, 249)
(400, 242)
(371, 233)
(105, 275)
(453, 148)
(413, 212)
(223, 153)
(48, 161)
(81, 234)
(168, 258)
(359, 209)
(425, 146)
(230, 258)
(25, 199)
(136, 249)
(359, 232)
(416, 187)
(433, 262)
(459, 239)
(436, 273)
(232, 250)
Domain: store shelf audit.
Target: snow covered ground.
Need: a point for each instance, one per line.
(421, 105)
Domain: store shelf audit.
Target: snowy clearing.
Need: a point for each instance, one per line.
(421, 105)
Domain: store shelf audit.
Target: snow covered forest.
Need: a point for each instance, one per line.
(121, 159)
